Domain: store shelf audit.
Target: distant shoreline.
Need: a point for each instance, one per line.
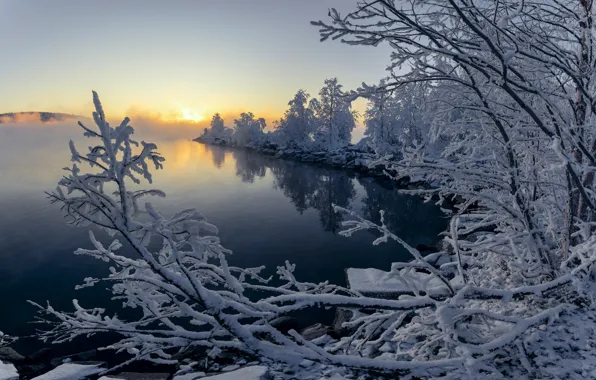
(44, 117)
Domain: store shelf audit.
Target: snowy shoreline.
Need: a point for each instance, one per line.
(351, 158)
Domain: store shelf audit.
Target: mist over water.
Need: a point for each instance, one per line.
(267, 211)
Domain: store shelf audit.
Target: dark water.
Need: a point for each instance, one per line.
(267, 210)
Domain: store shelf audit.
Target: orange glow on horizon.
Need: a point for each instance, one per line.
(190, 115)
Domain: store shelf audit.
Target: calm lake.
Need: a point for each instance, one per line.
(267, 211)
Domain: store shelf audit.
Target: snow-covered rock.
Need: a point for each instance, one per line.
(246, 373)
(8, 371)
(190, 376)
(141, 376)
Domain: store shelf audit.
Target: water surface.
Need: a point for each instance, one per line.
(267, 211)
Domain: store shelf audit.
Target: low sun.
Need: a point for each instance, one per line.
(189, 115)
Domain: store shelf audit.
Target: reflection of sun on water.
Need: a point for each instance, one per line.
(185, 157)
(181, 154)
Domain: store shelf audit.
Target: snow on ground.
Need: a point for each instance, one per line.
(8, 371)
(566, 350)
(71, 371)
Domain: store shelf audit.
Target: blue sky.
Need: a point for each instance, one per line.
(156, 57)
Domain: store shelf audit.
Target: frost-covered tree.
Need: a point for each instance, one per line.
(298, 122)
(248, 131)
(381, 120)
(416, 108)
(217, 133)
(335, 119)
(514, 90)
(399, 118)
(217, 125)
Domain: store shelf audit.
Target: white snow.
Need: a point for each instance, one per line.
(247, 373)
(8, 371)
(371, 280)
(338, 377)
(71, 371)
(190, 376)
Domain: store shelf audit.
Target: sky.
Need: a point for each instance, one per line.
(154, 59)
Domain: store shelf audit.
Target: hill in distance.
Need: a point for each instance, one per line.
(44, 117)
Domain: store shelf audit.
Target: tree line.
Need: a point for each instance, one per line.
(326, 123)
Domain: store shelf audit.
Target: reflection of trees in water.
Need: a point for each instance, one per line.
(249, 165)
(297, 182)
(319, 188)
(333, 188)
(218, 156)
(306, 186)
(407, 216)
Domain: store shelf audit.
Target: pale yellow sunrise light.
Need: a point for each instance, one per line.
(189, 115)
